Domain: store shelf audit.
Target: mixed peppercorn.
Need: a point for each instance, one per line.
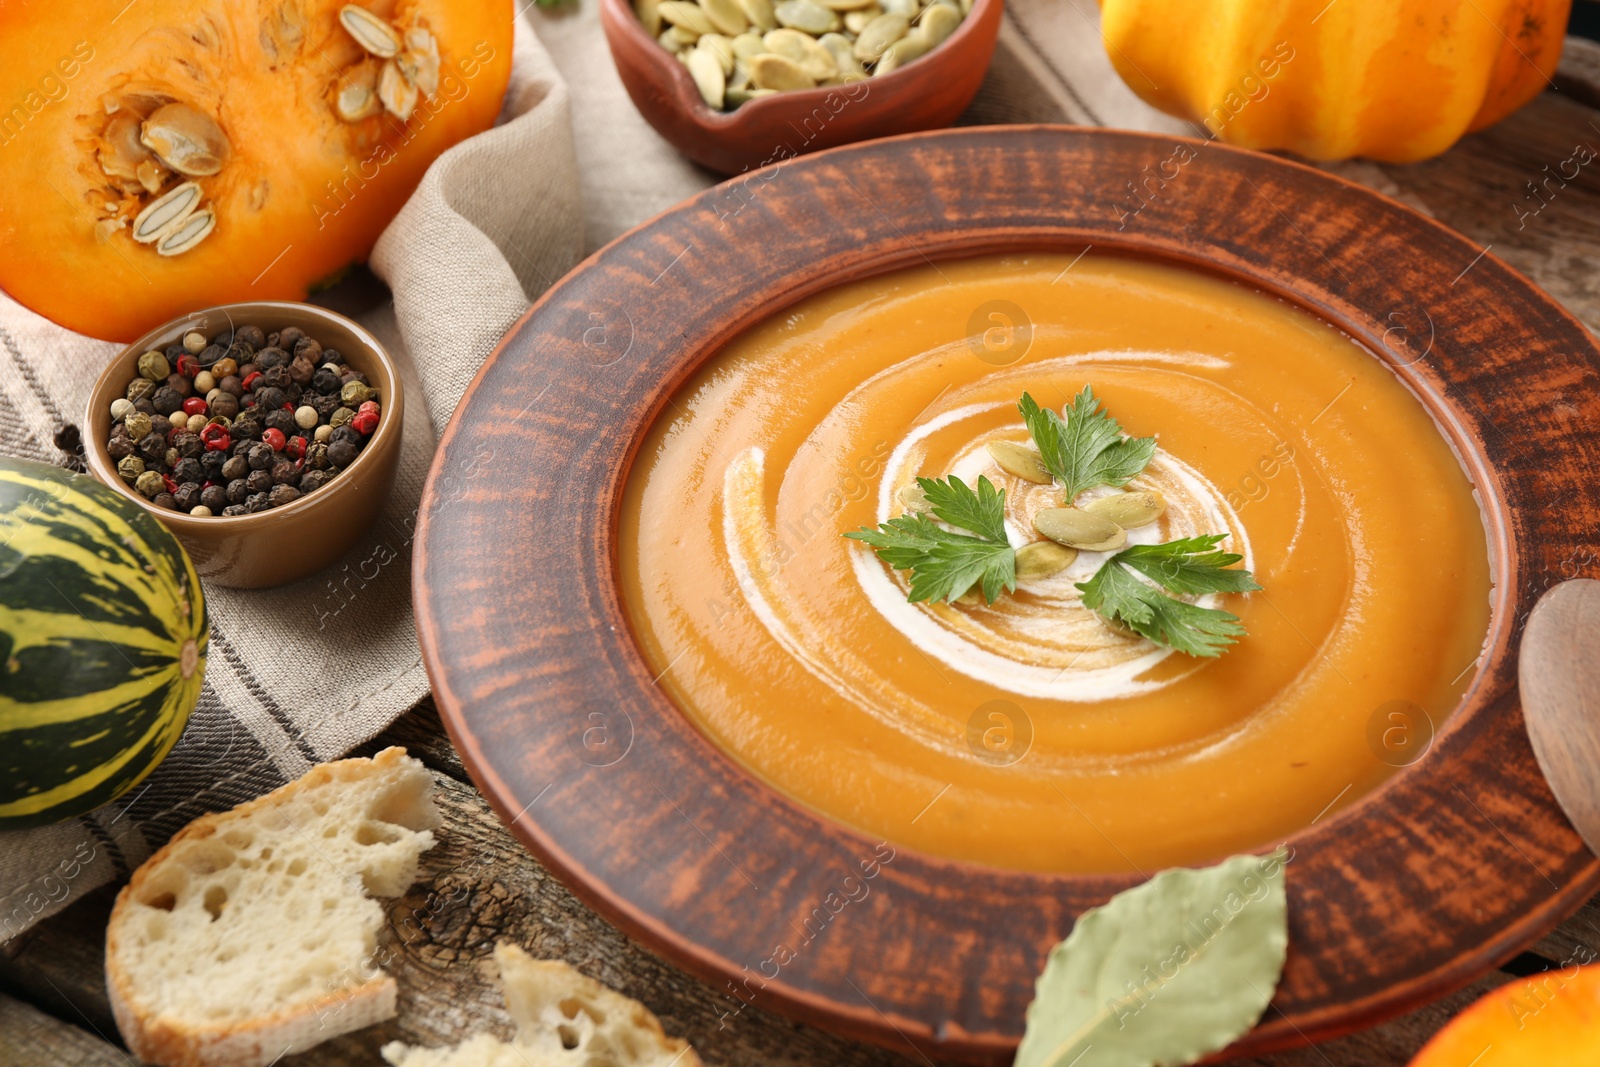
(239, 423)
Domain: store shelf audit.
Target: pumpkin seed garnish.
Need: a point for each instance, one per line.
(1080, 529)
(1041, 559)
(370, 32)
(912, 498)
(166, 212)
(1129, 510)
(1020, 461)
(190, 232)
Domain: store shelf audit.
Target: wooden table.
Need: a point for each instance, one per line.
(478, 885)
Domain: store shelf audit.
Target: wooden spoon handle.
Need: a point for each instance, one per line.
(1559, 673)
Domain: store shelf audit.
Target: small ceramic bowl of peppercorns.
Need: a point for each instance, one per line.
(265, 435)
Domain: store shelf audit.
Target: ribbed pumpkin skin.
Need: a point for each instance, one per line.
(102, 643)
(1393, 80)
(1546, 1020)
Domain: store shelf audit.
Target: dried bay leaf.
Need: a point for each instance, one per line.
(1164, 973)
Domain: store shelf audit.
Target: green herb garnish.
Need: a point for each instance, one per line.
(1086, 448)
(1189, 565)
(943, 564)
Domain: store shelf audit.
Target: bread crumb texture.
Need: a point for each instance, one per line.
(564, 1019)
(252, 933)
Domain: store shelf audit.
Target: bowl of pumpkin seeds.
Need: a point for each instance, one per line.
(736, 84)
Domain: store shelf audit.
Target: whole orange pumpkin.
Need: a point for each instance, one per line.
(1394, 80)
(168, 155)
(1547, 1020)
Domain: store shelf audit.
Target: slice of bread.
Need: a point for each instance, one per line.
(251, 934)
(564, 1019)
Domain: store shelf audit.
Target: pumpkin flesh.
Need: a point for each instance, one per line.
(299, 192)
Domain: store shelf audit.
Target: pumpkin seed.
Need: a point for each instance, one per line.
(669, 40)
(938, 23)
(152, 175)
(649, 13)
(760, 14)
(420, 40)
(721, 48)
(1041, 559)
(1080, 529)
(122, 152)
(356, 101)
(772, 71)
(190, 232)
(791, 44)
(846, 5)
(1129, 510)
(740, 78)
(807, 15)
(906, 49)
(371, 32)
(396, 92)
(166, 212)
(748, 44)
(912, 498)
(842, 49)
(684, 36)
(972, 597)
(908, 8)
(1020, 461)
(818, 61)
(856, 21)
(879, 34)
(706, 70)
(726, 15)
(688, 15)
(744, 96)
(186, 140)
(421, 70)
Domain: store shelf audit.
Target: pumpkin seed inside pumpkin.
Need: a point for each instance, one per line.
(371, 32)
(166, 212)
(186, 140)
(190, 232)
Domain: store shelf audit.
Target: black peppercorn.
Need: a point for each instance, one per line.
(260, 456)
(235, 509)
(325, 382)
(237, 491)
(210, 354)
(282, 421)
(247, 425)
(166, 400)
(224, 404)
(232, 384)
(214, 497)
(281, 495)
(289, 337)
(120, 447)
(256, 502)
(188, 470)
(342, 453)
(212, 463)
(325, 406)
(271, 358)
(331, 355)
(165, 500)
(284, 471)
(317, 457)
(160, 424)
(270, 397)
(153, 447)
(186, 496)
(276, 376)
(145, 406)
(312, 480)
(188, 444)
(345, 433)
(251, 335)
(234, 466)
(184, 387)
(302, 370)
(259, 481)
(174, 350)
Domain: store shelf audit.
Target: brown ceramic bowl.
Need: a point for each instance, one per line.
(298, 539)
(924, 95)
(1453, 865)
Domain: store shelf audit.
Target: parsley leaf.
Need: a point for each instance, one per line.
(1087, 448)
(943, 564)
(1187, 565)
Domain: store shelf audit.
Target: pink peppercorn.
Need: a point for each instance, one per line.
(216, 437)
(274, 438)
(195, 405)
(365, 422)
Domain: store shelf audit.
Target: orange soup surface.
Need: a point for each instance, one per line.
(1028, 733)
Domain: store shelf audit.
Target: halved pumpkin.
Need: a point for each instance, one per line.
(168, 155)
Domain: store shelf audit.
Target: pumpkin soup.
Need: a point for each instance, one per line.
(1029, 732)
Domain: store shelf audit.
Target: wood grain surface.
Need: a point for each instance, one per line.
(56, 1014)
(1456, 864)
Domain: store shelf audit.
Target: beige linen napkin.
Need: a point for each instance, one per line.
(305, 672)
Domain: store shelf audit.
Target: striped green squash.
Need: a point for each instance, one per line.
(102, 643)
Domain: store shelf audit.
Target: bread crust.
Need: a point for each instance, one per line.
(260, 1041)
